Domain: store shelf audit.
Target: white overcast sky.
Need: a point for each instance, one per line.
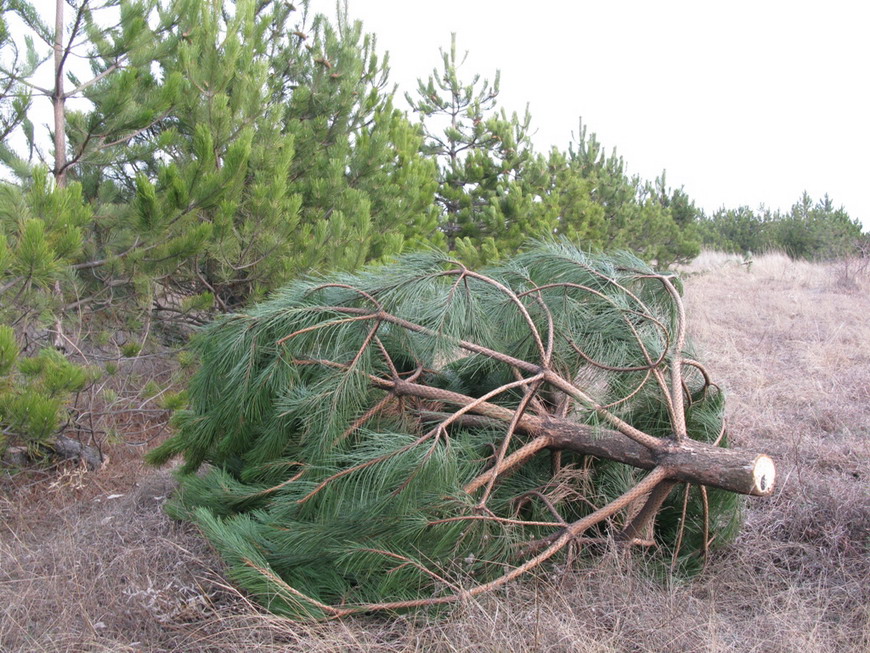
(741, 102)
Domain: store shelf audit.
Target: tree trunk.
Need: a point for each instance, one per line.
(688, 461)
(58, 99)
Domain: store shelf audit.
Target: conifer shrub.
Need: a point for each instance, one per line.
(34, 392)
(373, 440)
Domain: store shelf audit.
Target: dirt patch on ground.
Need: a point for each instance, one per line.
(89, 562)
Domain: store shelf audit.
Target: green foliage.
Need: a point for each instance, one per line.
(809, 230)
(8, 350)
(33, 415)
(649, 219)
(174, 400)
(17, 61)
(50, 225)
(126, 97)
(282, 153)
(52, 374)
(490, 181)
(740, 231)
(581, 218)
(495, 193)
(41, 236)
(208, 213)
(224, 148)
(33, 391)
(366, 191)
(324, 485)
(815, 231)
(130, 349)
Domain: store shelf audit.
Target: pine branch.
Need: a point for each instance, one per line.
(116, 65)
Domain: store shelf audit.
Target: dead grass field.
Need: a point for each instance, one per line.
(90, 562)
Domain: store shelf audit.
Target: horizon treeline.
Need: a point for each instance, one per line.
(202, 153)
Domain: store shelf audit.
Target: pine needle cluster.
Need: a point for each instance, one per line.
(366, 441)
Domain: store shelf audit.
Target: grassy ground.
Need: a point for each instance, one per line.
(88, 562)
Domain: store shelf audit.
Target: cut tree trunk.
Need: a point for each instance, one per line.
(688, 461)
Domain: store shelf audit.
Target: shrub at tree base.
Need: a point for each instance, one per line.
(417, 433)
(33, 391)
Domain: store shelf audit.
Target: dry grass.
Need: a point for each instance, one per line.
(84, 570)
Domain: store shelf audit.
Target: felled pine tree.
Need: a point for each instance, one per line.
(417, 433)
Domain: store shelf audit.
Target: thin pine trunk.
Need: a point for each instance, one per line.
(58, 99)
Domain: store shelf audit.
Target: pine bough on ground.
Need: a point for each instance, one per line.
(418, 433)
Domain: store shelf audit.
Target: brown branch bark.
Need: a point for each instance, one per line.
(687, 461)
(639, 525)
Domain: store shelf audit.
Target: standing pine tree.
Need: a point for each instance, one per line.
(285, 155)
(52, 224)
(740, 230)
(225, 147)
(815, 230)
(48, 224)
(569, 196)
(215, 191)
(366, 190)
(95, 108)
(490, 180)
(649, 219)
(216, 149)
